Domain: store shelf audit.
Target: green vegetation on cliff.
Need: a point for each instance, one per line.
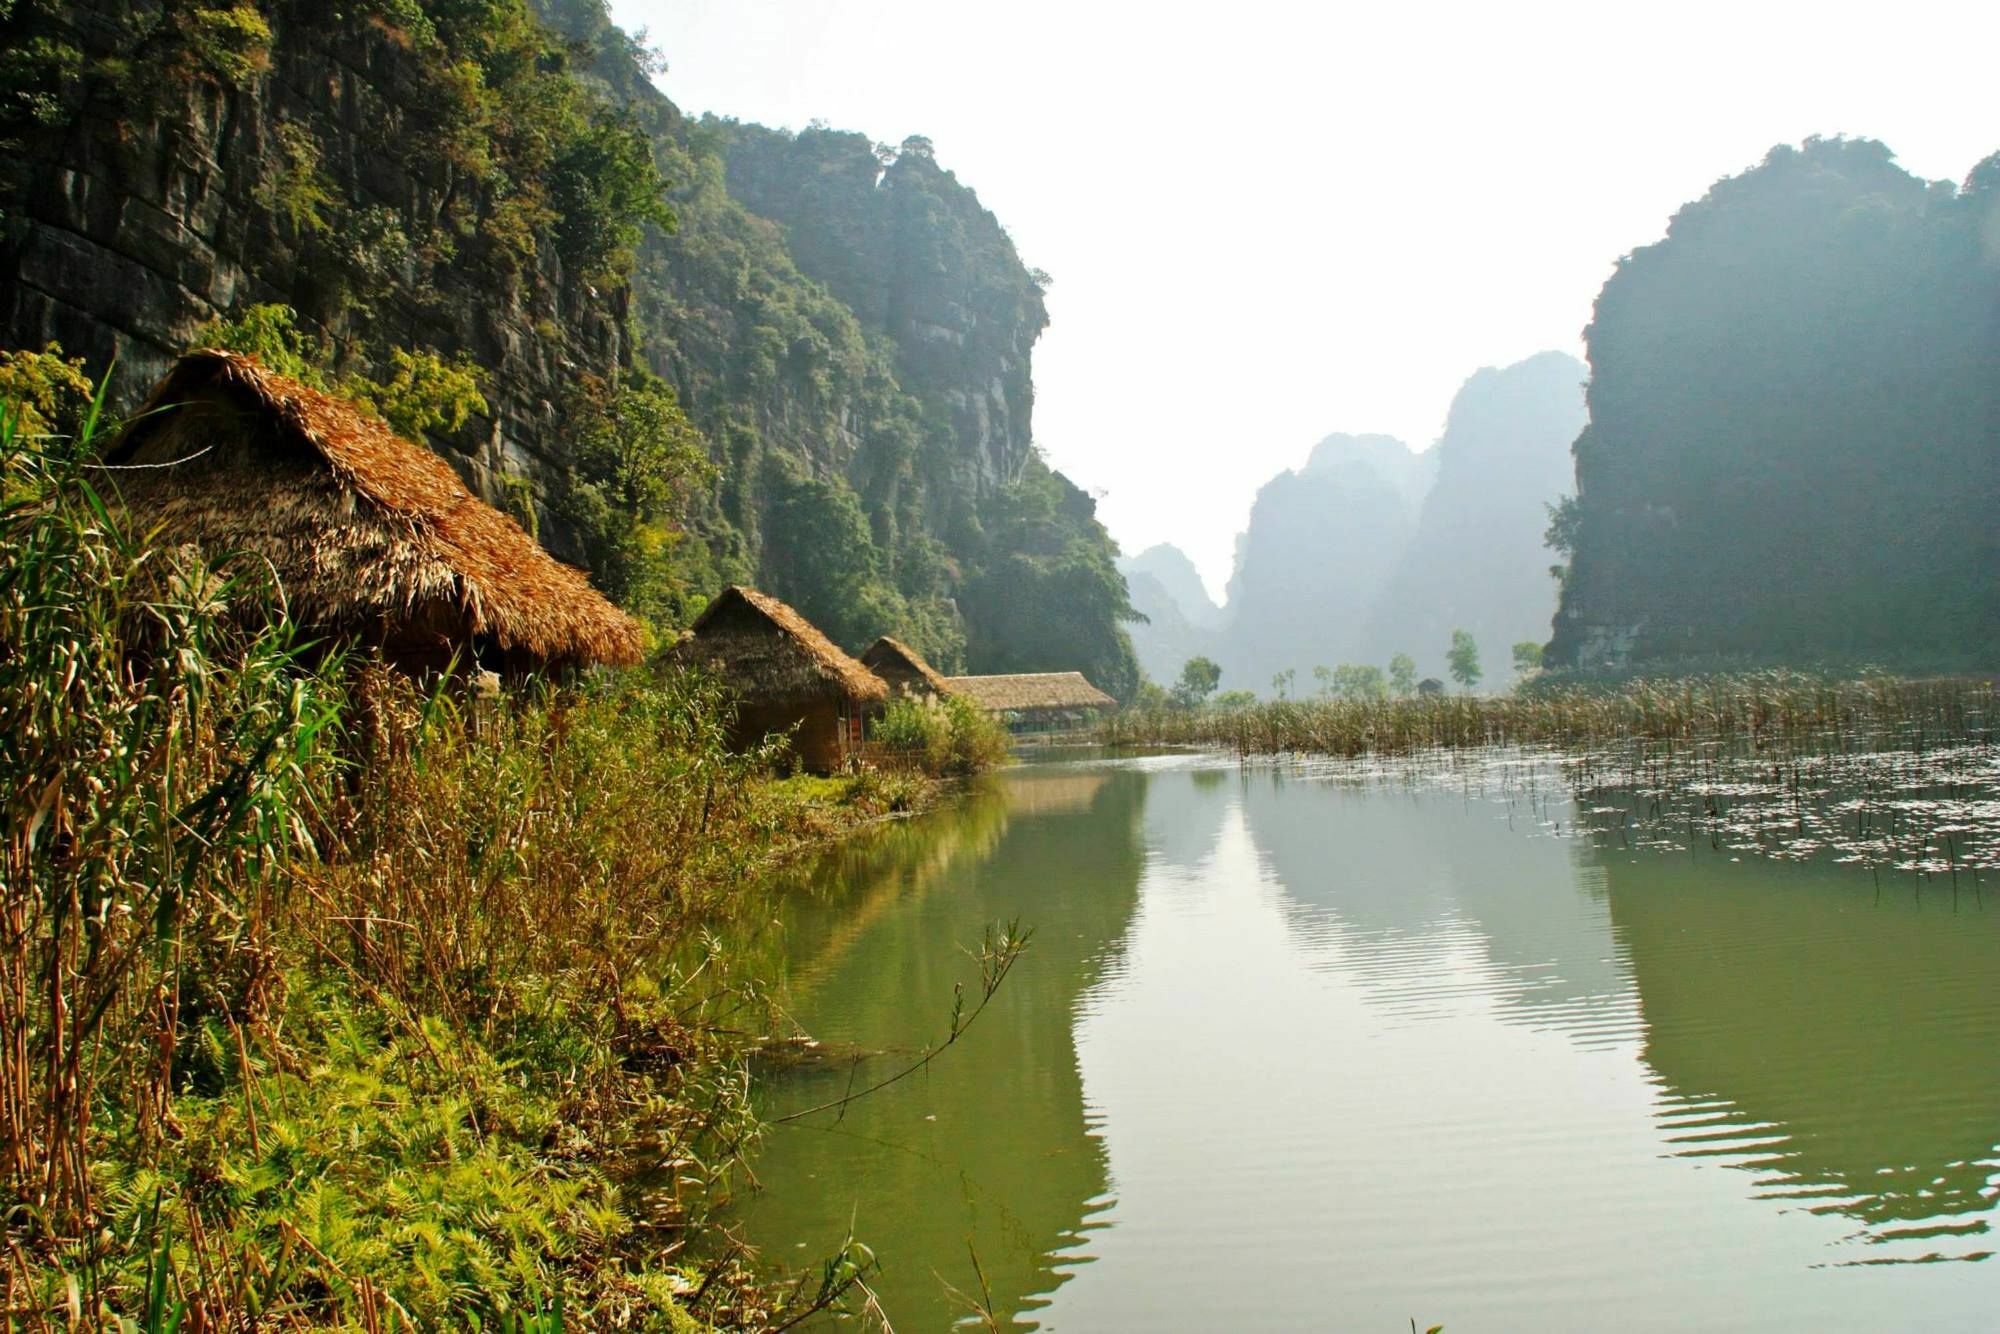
(497, 186)
(1794, 407)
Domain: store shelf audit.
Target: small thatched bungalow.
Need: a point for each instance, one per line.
(785, 673)
(904, 669)
(374, 540)
(1034, 702)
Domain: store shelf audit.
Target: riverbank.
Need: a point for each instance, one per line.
(333, 1002)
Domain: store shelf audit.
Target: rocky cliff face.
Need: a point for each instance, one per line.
(911, 251)
(851, 332)
(1793, 413)
(164, 185)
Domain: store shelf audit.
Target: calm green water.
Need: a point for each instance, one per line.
(1291, 1053)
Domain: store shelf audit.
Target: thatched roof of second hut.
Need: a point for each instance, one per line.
(900, 665)
(367, 532)
(1025, 691)
(769, 652)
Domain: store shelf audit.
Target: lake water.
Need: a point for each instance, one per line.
(1290, 1051)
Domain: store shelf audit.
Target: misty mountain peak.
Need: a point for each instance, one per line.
(1178, 580)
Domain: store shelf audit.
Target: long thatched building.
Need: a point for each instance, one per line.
(904, 670)
(1034, 702)
(374, 540)
(786, 675)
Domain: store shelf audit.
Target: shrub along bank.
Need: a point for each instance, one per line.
(944, 737)
(329, 1001)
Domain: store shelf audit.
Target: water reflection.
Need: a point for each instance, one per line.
(1432, 897)
(1298, 1049)
(988, 1151)
(1835, 1042)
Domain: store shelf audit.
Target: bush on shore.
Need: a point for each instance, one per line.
(945, 736)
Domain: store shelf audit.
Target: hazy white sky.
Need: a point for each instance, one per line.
(1267, 222)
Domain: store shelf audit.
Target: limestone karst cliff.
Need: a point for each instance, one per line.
(1793, 452)
(850, 335)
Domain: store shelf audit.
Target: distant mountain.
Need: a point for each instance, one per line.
(1179, 579)
(1476, 560)
(1166, 639)
(1321, 544)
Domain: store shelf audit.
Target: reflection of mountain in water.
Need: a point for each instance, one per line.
(1430, 897)
(989, 1145)
(1840, 1046)
(1184, 816)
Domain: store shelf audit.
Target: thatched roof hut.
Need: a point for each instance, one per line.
(373, 539)
(904, 669)
(786, 675)
(1032, 692)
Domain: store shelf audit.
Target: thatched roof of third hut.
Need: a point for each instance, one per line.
(1026, 691)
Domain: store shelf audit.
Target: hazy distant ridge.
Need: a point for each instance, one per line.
(1371, 549)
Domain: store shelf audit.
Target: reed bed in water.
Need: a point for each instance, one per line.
(326, 1001)
(1755, 712)
(1899, 776)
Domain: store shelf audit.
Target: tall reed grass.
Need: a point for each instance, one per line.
(1756, 711)
(326, 1000)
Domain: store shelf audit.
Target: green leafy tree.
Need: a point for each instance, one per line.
(1464, 659)
(631, 436)
(423, 392)
(1359, 682)
(416, 393)
(1199, 678)
(820, 556)
(1527, 657)
(1560, 535)
(44, 393)
(271, 334)
(1403, 674)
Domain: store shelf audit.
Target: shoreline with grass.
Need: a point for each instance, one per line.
(331, 999)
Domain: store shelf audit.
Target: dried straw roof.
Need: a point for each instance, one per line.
(368, 533)
(770, 653)
(1031, 690)
(898, 663)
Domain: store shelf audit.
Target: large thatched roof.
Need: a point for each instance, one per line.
(769, 653)
(368, 533)
(903, 667)
(1025, 691)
